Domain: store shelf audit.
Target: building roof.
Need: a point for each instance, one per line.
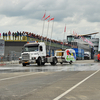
(90, 34)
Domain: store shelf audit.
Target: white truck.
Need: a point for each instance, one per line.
(35, 52)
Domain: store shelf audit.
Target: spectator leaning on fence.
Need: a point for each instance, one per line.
(3, 35)
(9, 34)
(6, 35)
(13, 35)
(20, 34)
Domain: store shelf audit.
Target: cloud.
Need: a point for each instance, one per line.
(81, 16)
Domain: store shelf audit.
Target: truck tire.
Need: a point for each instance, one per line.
(23, 64)
(39, 62)
(54, 61)
(43, 63)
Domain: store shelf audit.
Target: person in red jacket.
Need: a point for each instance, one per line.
(98, 56)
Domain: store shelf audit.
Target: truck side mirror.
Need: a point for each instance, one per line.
(22, 49)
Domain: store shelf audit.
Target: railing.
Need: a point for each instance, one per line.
(27, 38)
(13, 38)
(48, 43)
(8, 58)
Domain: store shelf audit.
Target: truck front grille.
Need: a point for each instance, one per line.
(25, 56)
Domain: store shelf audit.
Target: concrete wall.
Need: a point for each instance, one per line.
(13, 46)
(8, 49)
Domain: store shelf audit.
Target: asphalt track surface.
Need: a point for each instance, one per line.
(79, 81)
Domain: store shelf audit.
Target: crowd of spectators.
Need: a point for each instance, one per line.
(20, 36)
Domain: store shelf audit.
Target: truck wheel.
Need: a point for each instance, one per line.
(61, 62)
(28, 63)
(51, 63)
(23, 64)
(39, 62)
(54, 61)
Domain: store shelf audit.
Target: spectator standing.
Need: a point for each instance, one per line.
(3, 35)
(13, 35)
(23, 35)
(20, 34)
(9, 34)
(98, 56)
(6, 35)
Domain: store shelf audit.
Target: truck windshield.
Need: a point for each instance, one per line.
(30, 48)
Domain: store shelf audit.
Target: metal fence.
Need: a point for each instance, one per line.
(12, 55)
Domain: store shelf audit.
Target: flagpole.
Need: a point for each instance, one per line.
(43, 25)
(47, 32)
(63, 40)
(51, 35)
(64, 36)
(42, 30)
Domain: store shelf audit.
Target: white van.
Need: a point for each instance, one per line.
(87, 55)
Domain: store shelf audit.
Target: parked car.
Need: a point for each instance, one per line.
(87, 55)
(20, 60)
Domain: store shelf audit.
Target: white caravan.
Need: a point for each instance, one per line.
(66, 56)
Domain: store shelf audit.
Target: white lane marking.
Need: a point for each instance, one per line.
(66, 92)
(19, 76)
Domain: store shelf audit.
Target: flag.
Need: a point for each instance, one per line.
(51, 19)
(47, 17)
(73, 33)
(43, 16)
(65, 29)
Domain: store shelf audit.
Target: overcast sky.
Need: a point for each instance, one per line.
(81, 16)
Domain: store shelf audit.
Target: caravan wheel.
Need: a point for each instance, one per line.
(70, 62)
(61, 62)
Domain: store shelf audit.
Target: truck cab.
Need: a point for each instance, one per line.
(33, 52)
